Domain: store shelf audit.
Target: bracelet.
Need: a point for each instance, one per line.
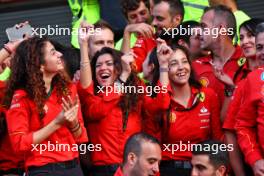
(120, 80)
(164, 69)
(7, 49)
(73, 131)
(84, 64)
(76, 126)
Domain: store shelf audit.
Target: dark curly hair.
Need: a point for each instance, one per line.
(130, 5)
(128, 102)
(26, 74)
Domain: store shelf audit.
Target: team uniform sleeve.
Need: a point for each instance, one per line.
(18, 117)
(140, 50)
(83, 137)
(245, 126)
(216, 127)
(233, 108)
(159, 103)
(96, 107)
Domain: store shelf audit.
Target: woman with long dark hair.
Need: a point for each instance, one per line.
(247, 42)
(193, 114)
(113, 115)
(43, 111)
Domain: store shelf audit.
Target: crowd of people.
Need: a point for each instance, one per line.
(203, 115)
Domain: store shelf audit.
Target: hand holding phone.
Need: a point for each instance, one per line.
(18, 32)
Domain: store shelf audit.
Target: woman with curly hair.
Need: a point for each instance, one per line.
(43, 111)
(113, 115)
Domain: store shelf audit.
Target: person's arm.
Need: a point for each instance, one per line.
(164, 53)
(236, 155)
(162, 101)
(18, 122)
(85, 71)
(246, 122)
(229, 125)
(3, 55)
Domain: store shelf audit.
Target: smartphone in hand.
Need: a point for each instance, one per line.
(15, 33)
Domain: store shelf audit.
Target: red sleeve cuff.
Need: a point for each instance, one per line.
(83, 138)
(83, 91)
(253, 157)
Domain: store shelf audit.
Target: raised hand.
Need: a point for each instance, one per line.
(142, 29)
(12, 45)
(164, 52)
(84, 32)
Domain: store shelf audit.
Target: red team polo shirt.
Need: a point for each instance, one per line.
(141, 49)
(199, 122)
(23, 119)
(204, 72)
(250, 121)
(105, 122)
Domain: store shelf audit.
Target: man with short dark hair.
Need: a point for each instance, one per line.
(142, 155)
(239, 14)
(207, 161)
(103, 37)
(166, 14)
(137, 13)
(225, 66)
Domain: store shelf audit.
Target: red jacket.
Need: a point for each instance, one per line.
(204, 71)
(250, 121)
(23, 119)
(105, 122)
(8, 160)
(233, 108)
(199, 123)
(141, 49)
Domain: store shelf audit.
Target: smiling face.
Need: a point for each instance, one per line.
(105, 71)
(52, 60)
(260, 48)
(140, 15)
(179, 68)
(162, 18)
(103, 39)
(247, 42)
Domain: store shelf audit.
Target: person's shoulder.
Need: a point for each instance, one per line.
(18, 98)
(20, 93)
(257, 74)
(202, 60)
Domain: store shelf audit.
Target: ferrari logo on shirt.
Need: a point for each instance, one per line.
(204, 81)
(201, 96)
(172, 117)
(241, 61)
